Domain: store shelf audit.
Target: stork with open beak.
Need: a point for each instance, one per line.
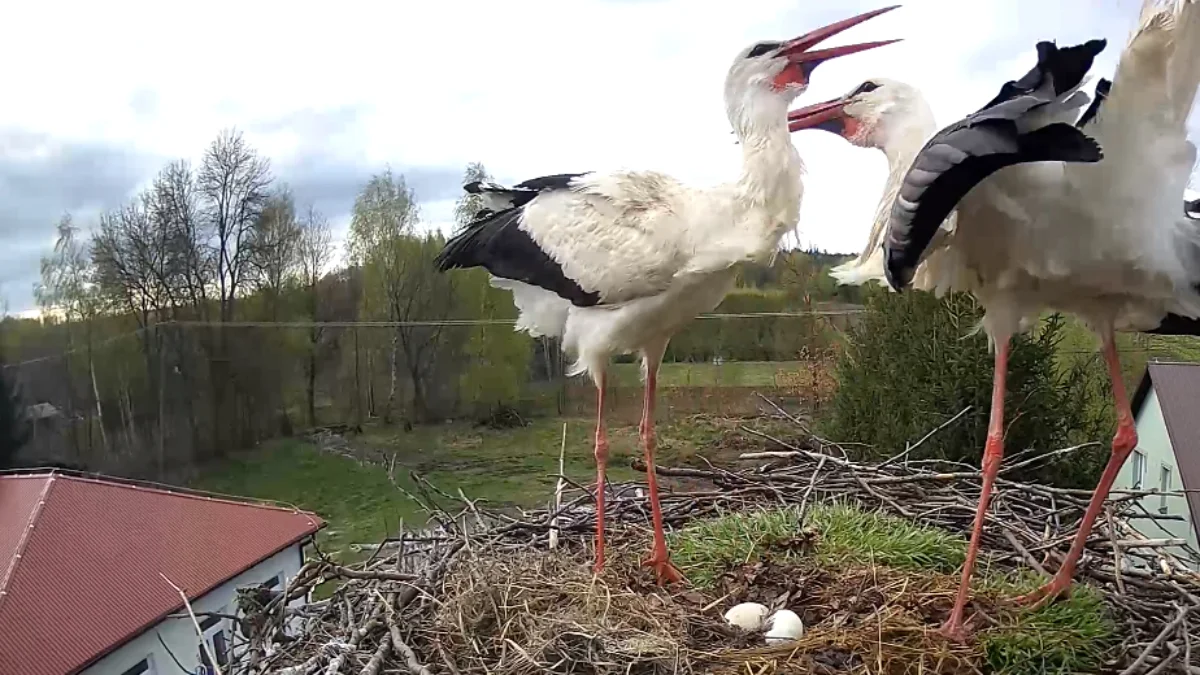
(1045, 220)
(616, 263)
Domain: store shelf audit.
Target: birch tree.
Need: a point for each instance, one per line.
(385, 214)
(67, 287)
(314, 254)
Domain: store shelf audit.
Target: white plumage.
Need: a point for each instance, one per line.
(617, 263)
(1105, 240)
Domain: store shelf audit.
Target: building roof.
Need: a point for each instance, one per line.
(81, 559)
(1177, 386)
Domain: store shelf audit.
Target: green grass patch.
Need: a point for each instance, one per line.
(502, 467)
(851, 535)
(358, 502)
(1072, 635)
(846, 535)
(727, 374)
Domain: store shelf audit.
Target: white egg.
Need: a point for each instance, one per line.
(784, 626)
(748, 616)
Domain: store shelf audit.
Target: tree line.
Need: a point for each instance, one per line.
(183, 265)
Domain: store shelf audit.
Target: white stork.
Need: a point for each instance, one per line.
(1044, 220)
(618, 263)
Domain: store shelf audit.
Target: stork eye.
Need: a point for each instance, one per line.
(763, 48)
(865, 87)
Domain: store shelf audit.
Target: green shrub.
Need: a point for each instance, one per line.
(912, 364)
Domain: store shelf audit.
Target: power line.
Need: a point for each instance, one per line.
(378, 324)
(469, 322)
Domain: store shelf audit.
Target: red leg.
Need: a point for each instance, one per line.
(601, 452)
(993, 452)
(1123, 443)
(659, 559)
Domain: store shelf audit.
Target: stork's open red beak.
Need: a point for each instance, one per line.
(797, 49)
(827, 115)
(801, 61)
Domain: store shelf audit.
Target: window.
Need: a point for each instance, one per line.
(220, 648)
(215, 640)
(1139, 469)
(219, 645)
(220, 651)
(273, 582)
(1164, 486)
(143, 667)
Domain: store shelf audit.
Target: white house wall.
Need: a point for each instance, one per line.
(180, 635)
(1156, 444)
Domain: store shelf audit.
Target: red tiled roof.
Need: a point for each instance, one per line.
(82, 557)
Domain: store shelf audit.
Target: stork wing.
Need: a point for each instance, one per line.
(1017, 126)
(591, 239)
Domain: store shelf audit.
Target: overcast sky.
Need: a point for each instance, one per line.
(98, 96)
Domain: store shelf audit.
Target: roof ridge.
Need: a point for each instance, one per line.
(153, 486)
(11, 570)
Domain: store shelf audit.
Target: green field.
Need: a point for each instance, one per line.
(1136, 349)
(504, 467)
(517, 466)
(728, 374)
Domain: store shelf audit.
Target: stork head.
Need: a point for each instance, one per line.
(871, 115)
(769, 74)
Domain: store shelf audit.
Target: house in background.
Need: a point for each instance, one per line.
(82, 561)
(1166, 410)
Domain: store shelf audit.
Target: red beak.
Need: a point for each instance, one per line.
(827, 115)
(796, 50)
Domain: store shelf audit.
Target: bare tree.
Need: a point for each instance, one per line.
(233, 184)
(188, 265)
(130, 262)
(315, 252)
(275, 247)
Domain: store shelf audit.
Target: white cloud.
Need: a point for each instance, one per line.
(528, 87)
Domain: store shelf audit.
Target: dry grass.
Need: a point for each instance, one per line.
(536, 611)
(529, 612)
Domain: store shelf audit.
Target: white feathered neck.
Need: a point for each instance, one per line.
(764, 203)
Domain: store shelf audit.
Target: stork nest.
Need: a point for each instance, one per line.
(537, 611)
(512, 593)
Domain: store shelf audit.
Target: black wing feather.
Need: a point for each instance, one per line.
(965, 153)
(1173, 324)
(1192, 209)
(496, 242)
(1064, 68)
(520, 194)
(559, 181)
(1103, 87)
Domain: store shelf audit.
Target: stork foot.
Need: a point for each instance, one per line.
(664, 571)
(955, 630)
(598, 566)
(1058, 587)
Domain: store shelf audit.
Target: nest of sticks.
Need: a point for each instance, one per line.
(510, 593)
